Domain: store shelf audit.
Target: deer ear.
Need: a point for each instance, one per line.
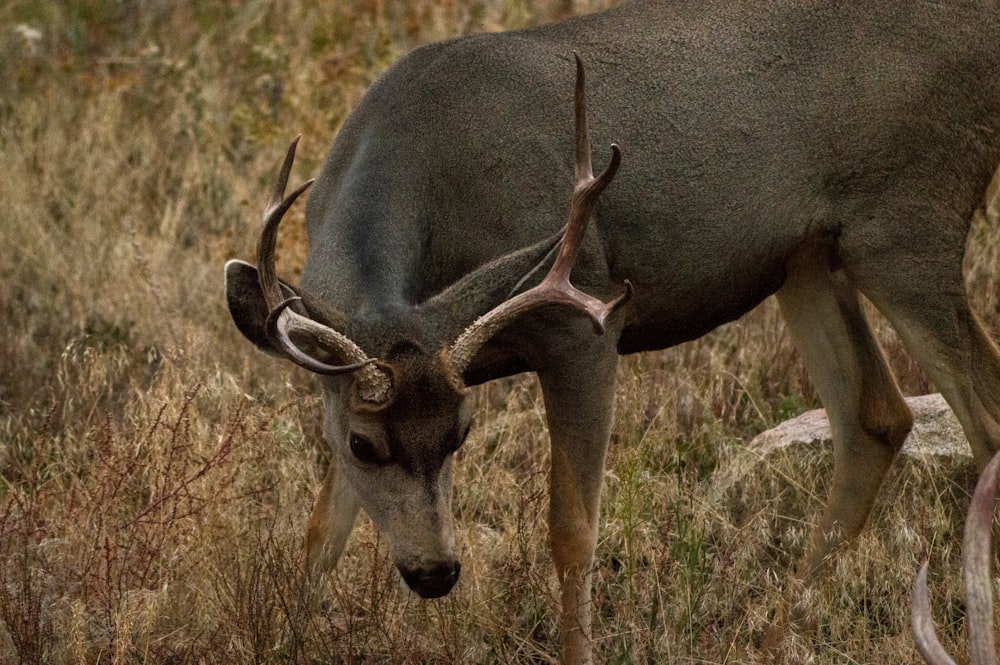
(246, 302)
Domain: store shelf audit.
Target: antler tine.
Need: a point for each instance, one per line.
(276, 208)
(924, 634)
(278, 193)
(586, 192)
(978, 585)
(555, 287)
(976, 567)
(584, 167)
(282, 322)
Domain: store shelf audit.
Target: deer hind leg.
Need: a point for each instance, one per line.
(868, 416)
(911, 270)
(931, 313)
(330, 523)
(579, 399)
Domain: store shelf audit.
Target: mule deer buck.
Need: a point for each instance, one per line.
(817, 151)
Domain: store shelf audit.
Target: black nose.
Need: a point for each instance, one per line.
(434, 581)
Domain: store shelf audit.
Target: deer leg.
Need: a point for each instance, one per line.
(912, 271)
(868, 416)
(578, 405)
(330, 523)
(948, 341)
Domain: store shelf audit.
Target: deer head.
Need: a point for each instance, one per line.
(396, 417)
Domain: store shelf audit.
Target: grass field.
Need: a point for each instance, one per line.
(156, 472)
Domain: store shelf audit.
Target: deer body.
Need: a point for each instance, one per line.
(742, 137)
(813, 151)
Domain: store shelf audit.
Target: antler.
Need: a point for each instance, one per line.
(978, 585)
(555, 288)
(282, 322)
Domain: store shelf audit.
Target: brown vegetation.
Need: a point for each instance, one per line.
(156, 474)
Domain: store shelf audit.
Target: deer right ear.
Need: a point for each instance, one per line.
(246, 302)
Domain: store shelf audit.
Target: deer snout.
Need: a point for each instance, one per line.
(431, 581)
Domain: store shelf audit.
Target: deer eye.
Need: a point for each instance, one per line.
(364, 450)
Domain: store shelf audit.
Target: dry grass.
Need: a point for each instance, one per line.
(155, 473)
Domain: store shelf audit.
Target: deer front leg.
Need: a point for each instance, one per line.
(330, 523)
(578, 406)
(573, 517)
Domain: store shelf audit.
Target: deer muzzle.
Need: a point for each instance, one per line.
(431, 581)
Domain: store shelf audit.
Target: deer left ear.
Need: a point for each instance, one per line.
(246, 302)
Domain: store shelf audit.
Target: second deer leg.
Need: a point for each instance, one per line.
(578, 406)
(868, 416)
(945, 337)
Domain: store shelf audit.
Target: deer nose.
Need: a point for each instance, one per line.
(433, 581)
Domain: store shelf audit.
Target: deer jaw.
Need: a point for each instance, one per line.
(397, 459)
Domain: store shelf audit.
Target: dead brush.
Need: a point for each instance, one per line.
(107, 533)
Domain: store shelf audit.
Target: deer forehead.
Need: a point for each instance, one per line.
(426, 416)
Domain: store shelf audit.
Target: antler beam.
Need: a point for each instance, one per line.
(283, 322)
(976, 552)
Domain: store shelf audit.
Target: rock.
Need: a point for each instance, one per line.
(767, 496)
(776, 486)
(936, 430)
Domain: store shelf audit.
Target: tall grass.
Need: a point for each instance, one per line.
(156, 473)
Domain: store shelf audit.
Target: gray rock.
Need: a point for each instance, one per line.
(936, 430)
(777, 484)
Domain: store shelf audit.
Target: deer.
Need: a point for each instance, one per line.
(822, 153)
